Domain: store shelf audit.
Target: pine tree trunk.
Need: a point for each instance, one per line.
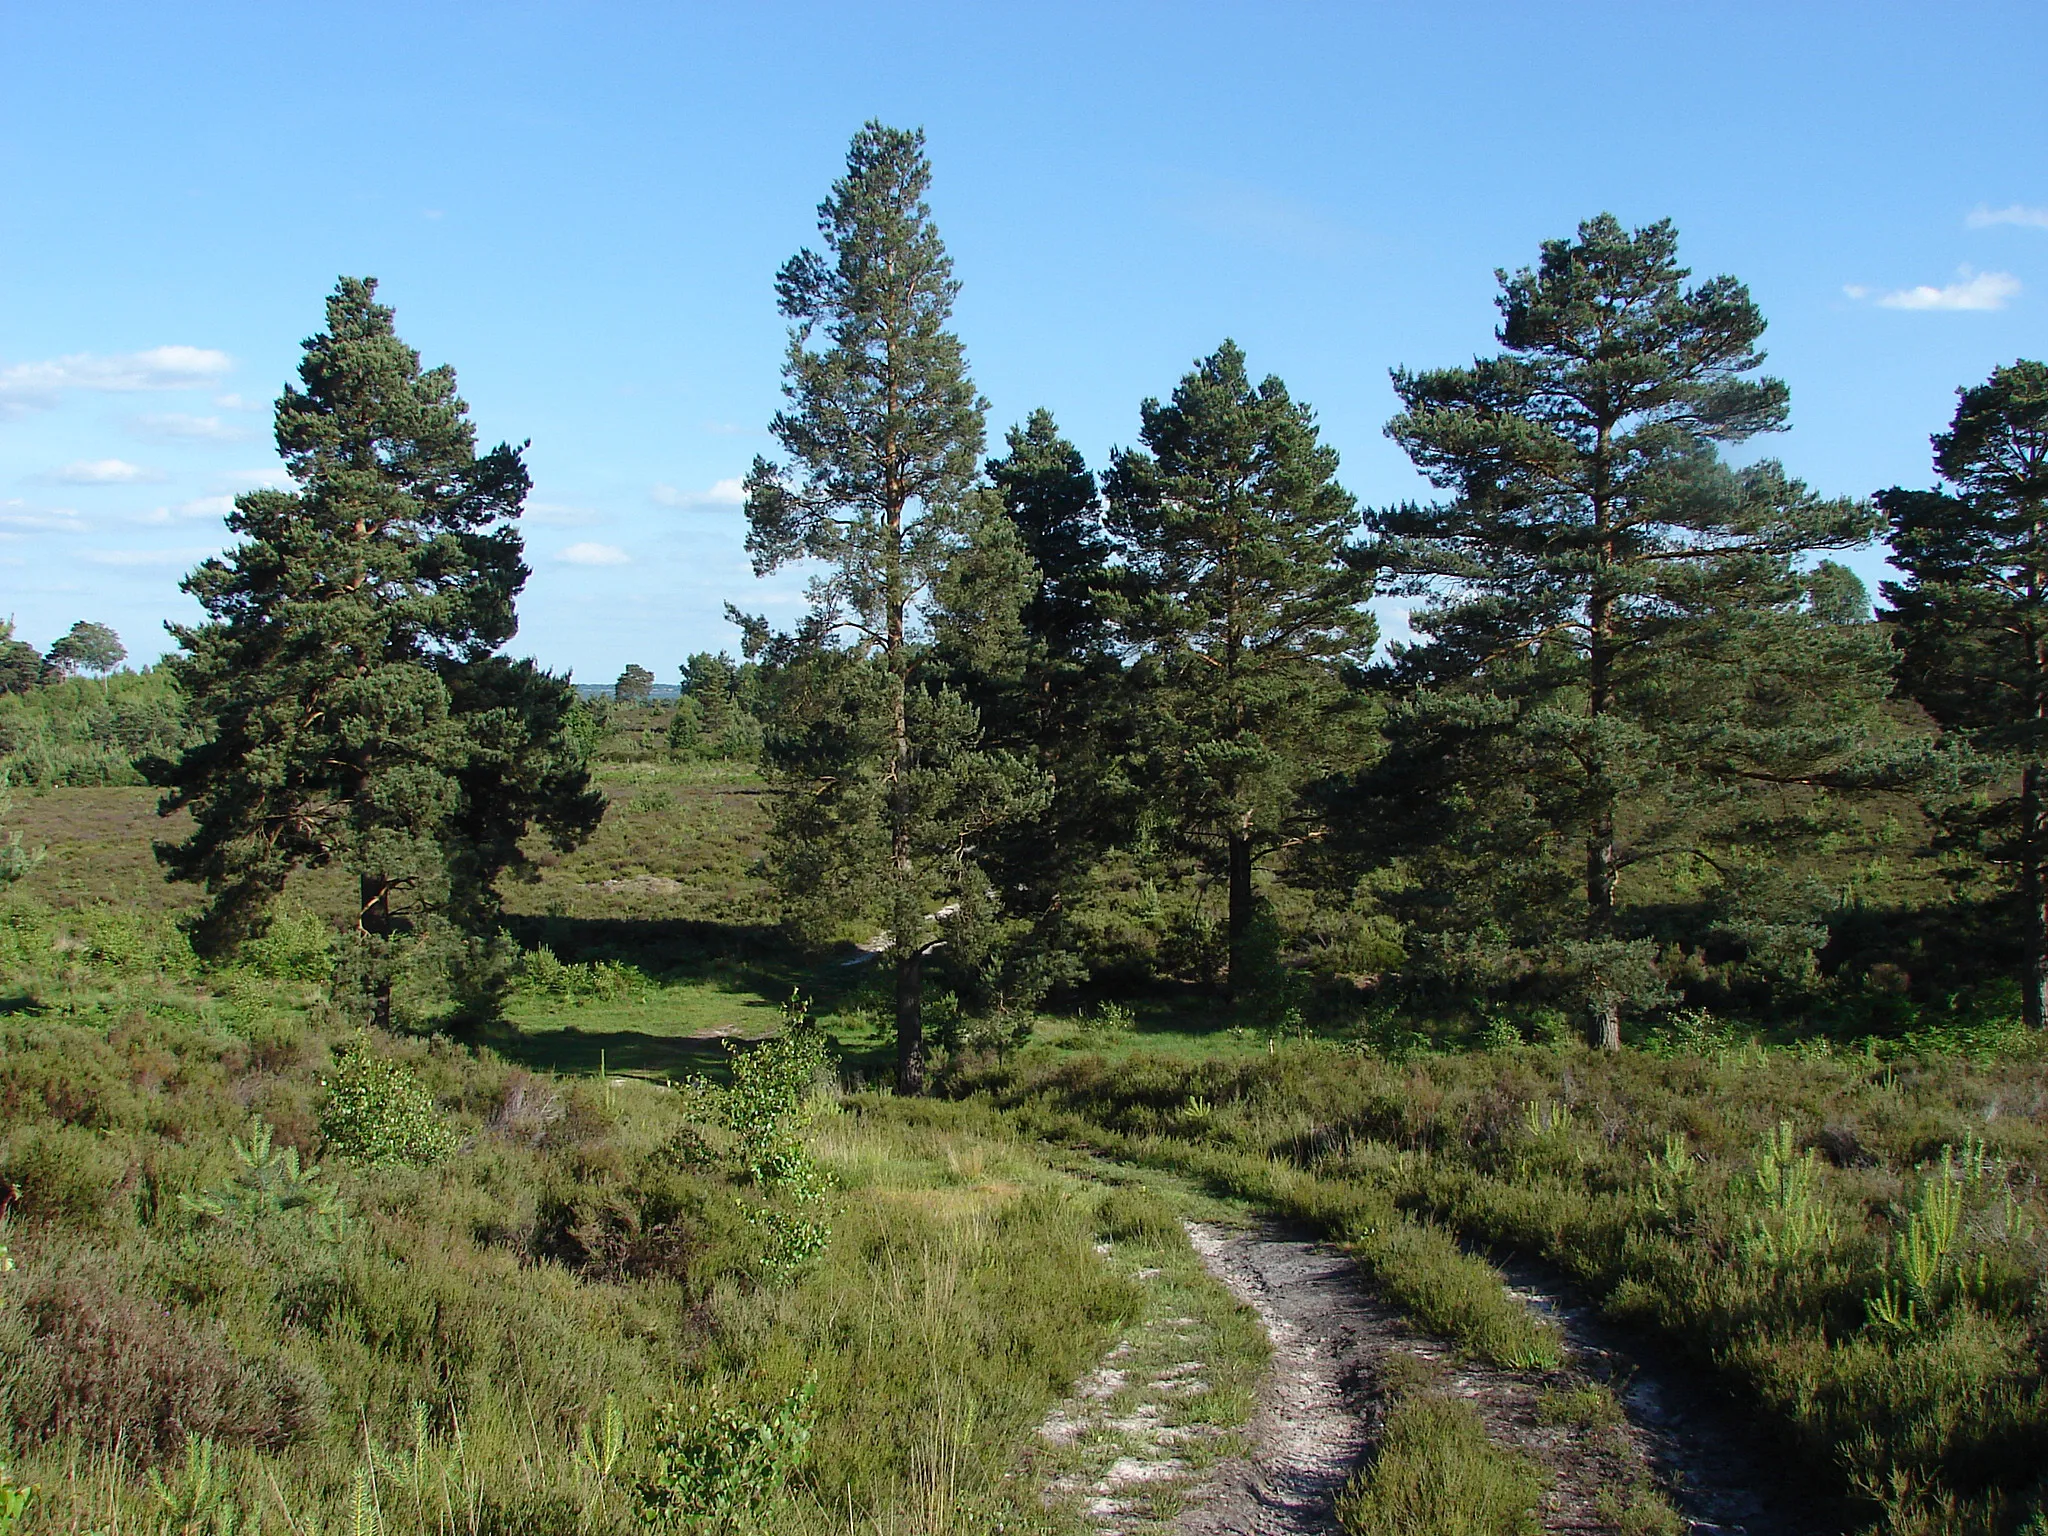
(1607, 1024)
(2034, 895)
(374, 919)
(1239, 921)
(910, 1021)
(1600, 854)
(904, 907)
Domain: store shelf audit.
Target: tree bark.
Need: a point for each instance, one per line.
(2034, 896)
(1600, 855)
(1607, 1024)
(1239, 921)
(910, 1021)
(374, 919)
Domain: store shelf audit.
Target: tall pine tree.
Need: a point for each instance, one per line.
(885, 786)
(1059, 699)
(346, 689)
(1971, 624)
(1621, 667)
(1239, 592)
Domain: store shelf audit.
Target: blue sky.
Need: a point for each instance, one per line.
(581, 207)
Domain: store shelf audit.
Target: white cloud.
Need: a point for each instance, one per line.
(177, 427)
(722, 494)
(40, 520)
(33, 385)
(1970, 290)
(102, 472)
(594, 554)
(1982, 217)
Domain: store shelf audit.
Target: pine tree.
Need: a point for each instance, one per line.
(85, 647)
(885, 788)
(21, 664)
(1238, 589)
(1620, 652)
(1059, 700)
(349, 700)
(1971, 624)
(635, 685)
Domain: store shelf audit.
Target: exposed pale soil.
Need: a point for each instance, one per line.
(1324, 1398)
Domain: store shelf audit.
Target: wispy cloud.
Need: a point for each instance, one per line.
(1982, 217)
(102, 472)
(177, 427)
(180, 558)
(186, 511)
(594, 554)
(556, 514)
(1970, 290)
(25, 386)
(18, 514)
(722, 496)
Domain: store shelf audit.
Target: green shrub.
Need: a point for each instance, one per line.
(296, 946)
(378, 1114)
(719, 1465)
(1436, 1474)
(270, 1188)
(538, 973)
(14, 1502)
(67, 1174)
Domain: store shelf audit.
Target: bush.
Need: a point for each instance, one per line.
(296, 946)
(113, 1367)
(1437, 1475)
(378, 1114)
(719, 1465)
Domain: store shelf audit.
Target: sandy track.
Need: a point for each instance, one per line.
(1320, 1409)
(1314, 1418)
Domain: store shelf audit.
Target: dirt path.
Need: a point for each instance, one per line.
(1315, 1414)
(1322, 1403)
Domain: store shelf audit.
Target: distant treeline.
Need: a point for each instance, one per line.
(709, 716)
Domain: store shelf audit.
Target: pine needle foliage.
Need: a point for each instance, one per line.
(1240, 595)
(1971, 624)
(885, 784)
(350, 700)
(1623, 667)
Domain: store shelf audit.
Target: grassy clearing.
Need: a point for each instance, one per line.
(514, 1323)
(1769, 1215)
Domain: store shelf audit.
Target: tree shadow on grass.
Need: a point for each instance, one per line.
(754, 961)
(617, 1053)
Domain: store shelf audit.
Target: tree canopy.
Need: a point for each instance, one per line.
(886, 788)
(1240, 593)
(352, 706)
(1971, 623)
(1619, 662)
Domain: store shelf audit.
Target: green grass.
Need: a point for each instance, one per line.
(1434, 1473)
(1647, 1179)
(564, 1262)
